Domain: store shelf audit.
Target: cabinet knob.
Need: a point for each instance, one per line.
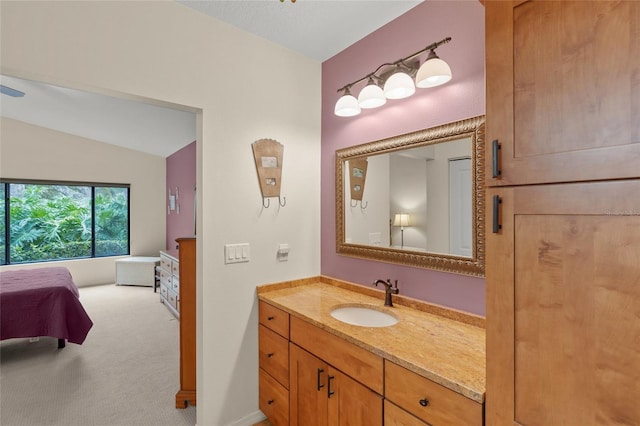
(424, 402)
(270, 401)
(270, 318)
(269, 355)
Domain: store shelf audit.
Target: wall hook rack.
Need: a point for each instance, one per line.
(281, 203)
(354, 203)
(268, 155)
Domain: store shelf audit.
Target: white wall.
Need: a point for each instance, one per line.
(32, 152)
(246, 89)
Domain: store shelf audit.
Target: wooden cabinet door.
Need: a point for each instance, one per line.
(350, 403)
(308, 378)
(563, 305)
(563, 90)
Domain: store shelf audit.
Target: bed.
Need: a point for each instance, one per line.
(42, 302)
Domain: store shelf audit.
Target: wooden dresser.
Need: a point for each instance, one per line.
(187, 297)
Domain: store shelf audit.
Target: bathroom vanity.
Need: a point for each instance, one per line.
(426, 368)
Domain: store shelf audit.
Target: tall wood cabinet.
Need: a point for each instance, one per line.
(187, 261)
(563, 213)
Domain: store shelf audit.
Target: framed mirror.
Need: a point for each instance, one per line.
(416, 199)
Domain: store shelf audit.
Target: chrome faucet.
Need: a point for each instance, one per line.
(388, 290)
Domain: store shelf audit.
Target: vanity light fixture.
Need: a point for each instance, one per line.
(398, 81)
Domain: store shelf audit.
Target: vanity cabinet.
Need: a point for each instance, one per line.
(427, 400)
(562, 90)
(333, 381)
(562, 260)
(322, 395)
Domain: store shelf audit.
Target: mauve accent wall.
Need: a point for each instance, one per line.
(181, 174)
(462, 97)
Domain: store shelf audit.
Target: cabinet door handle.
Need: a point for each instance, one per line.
(424, 402)
(496, 214)
(329, 391)
(496, 172)
(320, 385)
(270, 354)
(270, 401)
(270, 318)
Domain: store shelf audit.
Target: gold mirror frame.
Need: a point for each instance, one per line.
(474, 265)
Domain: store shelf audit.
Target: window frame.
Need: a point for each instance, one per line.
(6, 182)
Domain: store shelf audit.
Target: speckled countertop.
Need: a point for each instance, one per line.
(443, 345)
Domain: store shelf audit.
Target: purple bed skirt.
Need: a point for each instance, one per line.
(42, 302)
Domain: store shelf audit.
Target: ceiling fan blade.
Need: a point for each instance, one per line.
(5, 90)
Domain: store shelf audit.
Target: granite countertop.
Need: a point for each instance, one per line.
(445, 346)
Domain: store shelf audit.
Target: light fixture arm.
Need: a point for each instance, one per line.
(373, 75)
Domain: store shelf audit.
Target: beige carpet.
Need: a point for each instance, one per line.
(124, 374)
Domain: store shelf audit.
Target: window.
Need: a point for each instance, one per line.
(56, 221)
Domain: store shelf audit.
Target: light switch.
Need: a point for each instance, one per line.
(236, 253)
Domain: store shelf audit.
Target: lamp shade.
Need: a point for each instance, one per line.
(399, 86)
(401, 219)
(347, 106)
(433, 72)
(371, 96)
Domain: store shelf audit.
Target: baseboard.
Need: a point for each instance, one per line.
(249, 419)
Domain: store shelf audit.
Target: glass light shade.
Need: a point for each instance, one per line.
(399, 86)
(371, 96)
(433, 72)
(347, 106)
(401, 219)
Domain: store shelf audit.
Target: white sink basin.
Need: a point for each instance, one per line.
(363, 316)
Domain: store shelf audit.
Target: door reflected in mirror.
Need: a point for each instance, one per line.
(422, 199)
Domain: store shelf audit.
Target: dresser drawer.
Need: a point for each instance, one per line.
(175, 267)
(175, 283)
(273, 399)
(274, 318)
(163, 291)
(274, 354)
(165, 263)
(173, 299)
(429, 401)
(165, 278)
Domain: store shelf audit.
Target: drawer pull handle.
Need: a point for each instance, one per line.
(496, 172)
(270, 318)
(270, 401)
(269, 355)
(320, 371)
(329, 391)
(424, 402)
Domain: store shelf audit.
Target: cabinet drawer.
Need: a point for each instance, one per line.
(165, 278)
(428, 400)
(163, 291)
(173, 299)
(274, 355)
(360, 364)
(175, 283)
(165, 263)
(274, 318)
(396, 416)
(274, 399)
(175, 267)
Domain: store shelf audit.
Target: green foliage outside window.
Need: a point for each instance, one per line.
(54, 222)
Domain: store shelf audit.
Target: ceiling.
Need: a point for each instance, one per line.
(300, 26)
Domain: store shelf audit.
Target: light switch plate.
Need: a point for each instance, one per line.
(237, 253)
